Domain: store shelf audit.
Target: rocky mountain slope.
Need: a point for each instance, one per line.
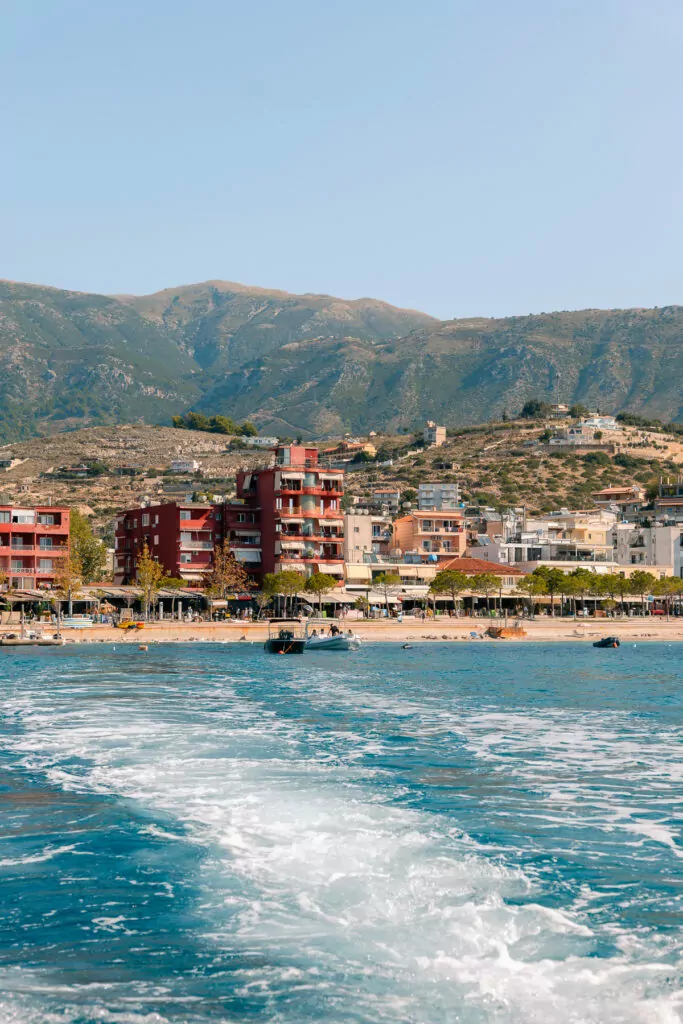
(314, 364)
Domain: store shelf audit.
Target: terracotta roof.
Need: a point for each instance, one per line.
(627, 488)
(473, 566)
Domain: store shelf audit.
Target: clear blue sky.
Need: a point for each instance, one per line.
(463, 158)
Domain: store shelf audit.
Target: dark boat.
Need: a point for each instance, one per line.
(285, 636)
(608, 641)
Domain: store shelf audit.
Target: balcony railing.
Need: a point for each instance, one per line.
(196, 545)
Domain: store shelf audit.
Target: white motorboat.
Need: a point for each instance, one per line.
(328, 635)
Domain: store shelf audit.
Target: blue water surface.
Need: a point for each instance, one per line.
(454, 833)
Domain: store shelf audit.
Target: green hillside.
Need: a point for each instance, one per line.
(314, 364)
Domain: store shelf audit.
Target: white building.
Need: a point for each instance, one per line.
(365, 534)
(433, 434)
(184, 466)
(388, 499)
(437, 497)
(649, 546)
(261, 442)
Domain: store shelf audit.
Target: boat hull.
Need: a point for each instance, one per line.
(277, 645)
(332, 643)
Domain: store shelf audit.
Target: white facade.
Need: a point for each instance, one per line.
(388, 499)
(437, 497)
(655, 546)
(184, 466)
(261, 442)
(433, 434)
(365, 534)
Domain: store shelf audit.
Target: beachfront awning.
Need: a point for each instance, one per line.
(375, 597)
(331, 570)
(407, 571)
(290, 474)
(291, 545)
(336, 477)
(358, 573)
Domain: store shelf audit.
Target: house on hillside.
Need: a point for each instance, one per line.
(626, 498)
(433, 435)
(184, 466)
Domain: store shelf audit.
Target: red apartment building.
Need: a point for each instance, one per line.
(180, 537)
(34, 542)
(297, 507)
(286, 517)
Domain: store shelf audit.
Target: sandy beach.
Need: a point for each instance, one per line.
(543, 630)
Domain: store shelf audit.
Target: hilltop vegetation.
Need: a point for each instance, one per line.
(315, 365)
(504, 465)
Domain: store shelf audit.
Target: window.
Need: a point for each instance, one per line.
(356, 529)
(45, 543)
(185, 558)
(145, 519)
(5, 517)
(45, 564)
(46, 519)
(156, 519)
(135, 524)
(219, 516)
(278, 503)
(156, 540)
(241, 517)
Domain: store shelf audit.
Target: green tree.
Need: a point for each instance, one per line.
(578, 411)
(286, 584)
(485, 583)
(248, 429)
(583, 582)
(90, 552)
(450, 581)
(227, 575)
(568, 588)
(223, 425)
(641, 583)
(667, 588)
(531, 586)
(534, 409)
(196, 421)
(69, 579)
(320, 583)
(553, 581)
(387, 583)
(149, 575)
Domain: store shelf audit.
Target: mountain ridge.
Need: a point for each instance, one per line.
(315, 364)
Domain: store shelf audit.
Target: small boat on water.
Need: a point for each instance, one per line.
(329, 635)
(285, 636)
(30, 639)
(608, 641)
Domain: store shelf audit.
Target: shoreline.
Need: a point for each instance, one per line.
(379, 631)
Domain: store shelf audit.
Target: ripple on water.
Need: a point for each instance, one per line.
(472, 837)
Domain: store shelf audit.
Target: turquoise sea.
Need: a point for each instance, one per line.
(455, 833)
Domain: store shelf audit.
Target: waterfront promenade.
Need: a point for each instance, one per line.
(378, 630)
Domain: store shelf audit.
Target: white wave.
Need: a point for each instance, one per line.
(313, 860)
